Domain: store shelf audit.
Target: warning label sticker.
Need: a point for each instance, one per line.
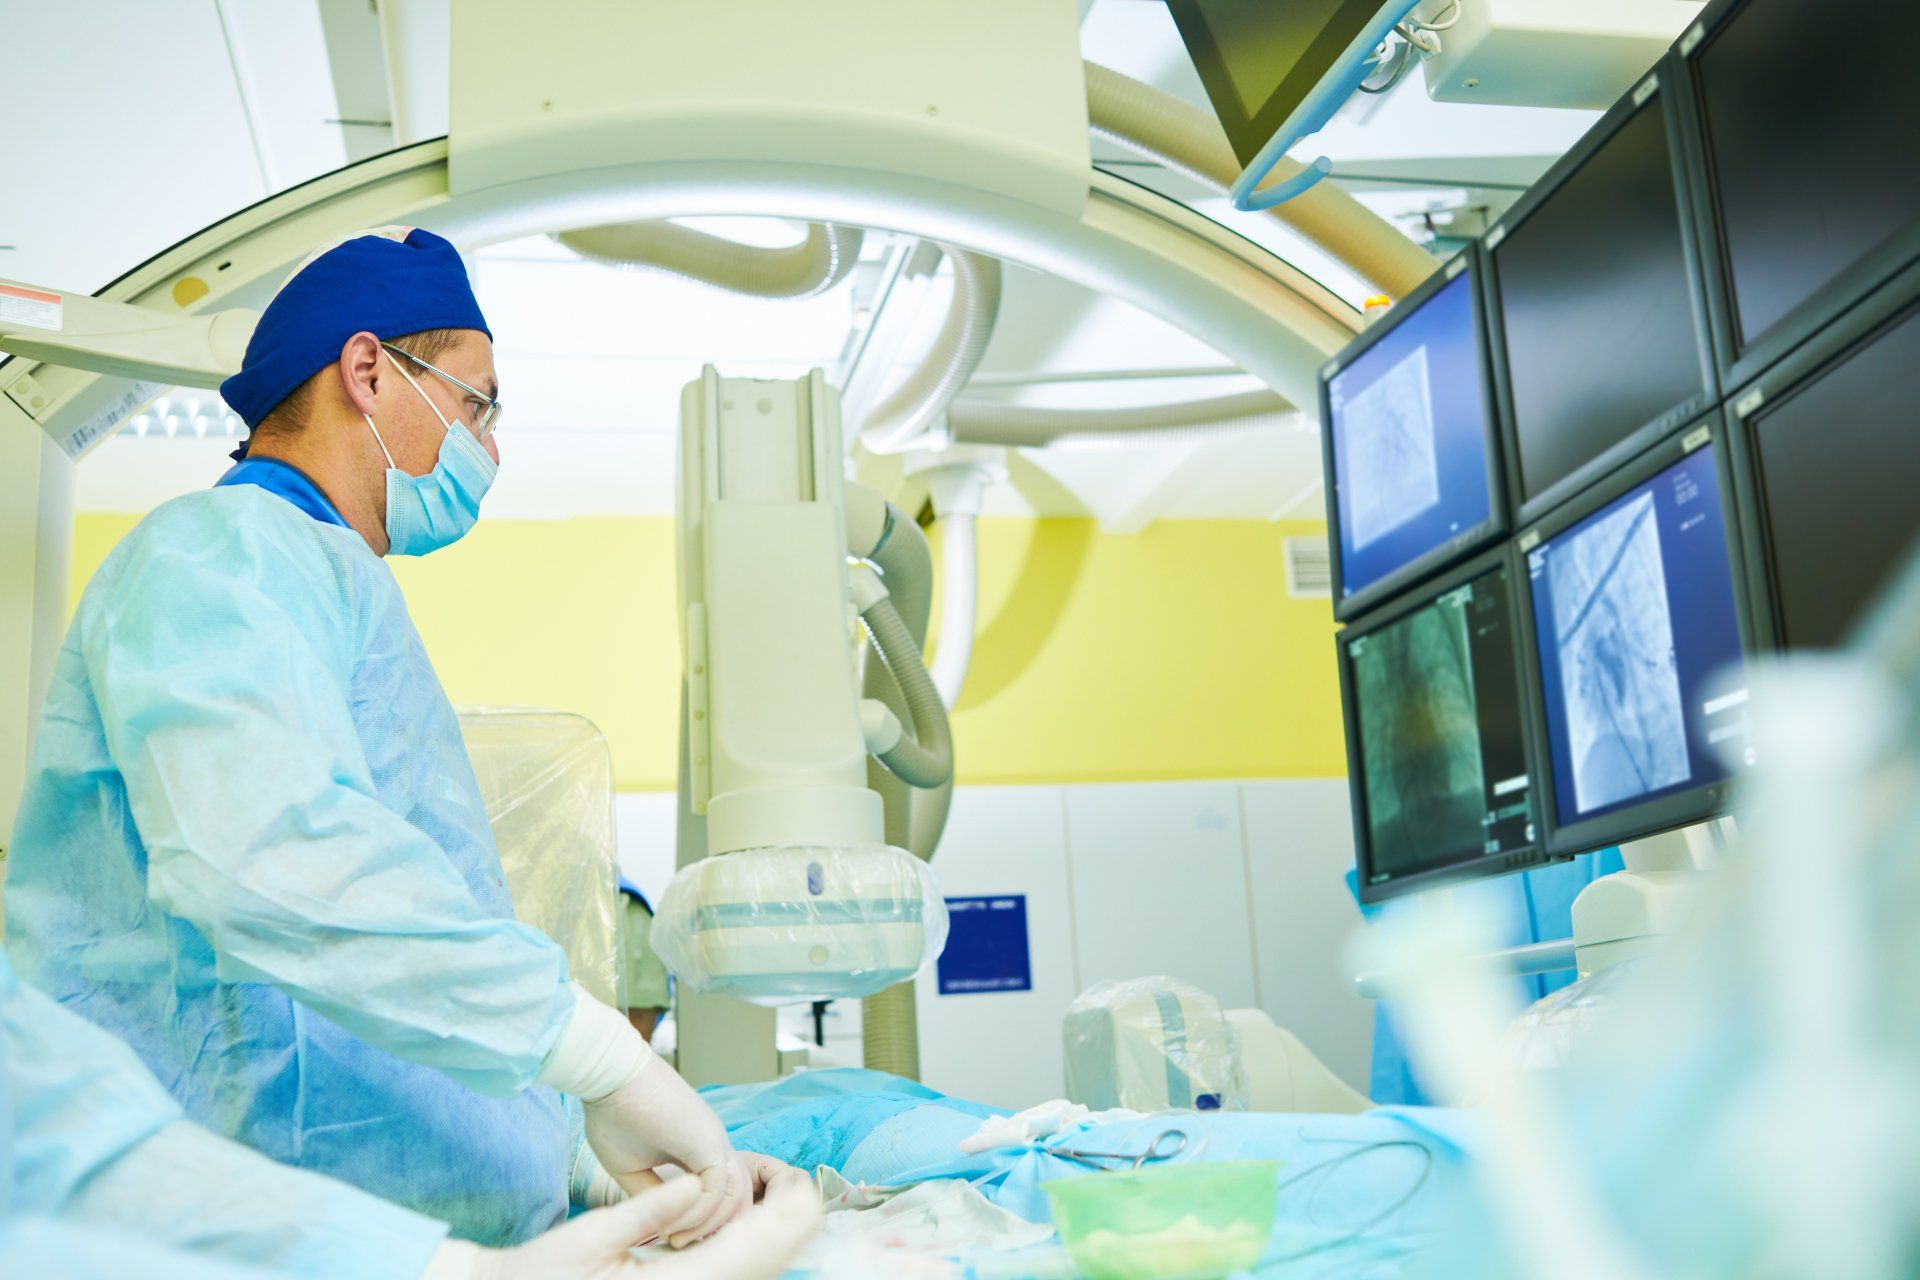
(28, 308)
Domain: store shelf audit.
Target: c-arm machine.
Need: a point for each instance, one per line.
(789, 888)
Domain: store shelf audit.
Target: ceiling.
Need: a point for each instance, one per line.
(190, 109)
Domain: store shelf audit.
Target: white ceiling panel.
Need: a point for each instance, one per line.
(128, 134)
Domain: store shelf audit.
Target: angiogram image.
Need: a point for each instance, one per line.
(1391, 473)
(1419, 737)
(1625, 724)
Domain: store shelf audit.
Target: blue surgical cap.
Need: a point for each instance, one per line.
(388, 287)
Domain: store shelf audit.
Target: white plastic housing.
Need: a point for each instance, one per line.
(989, 93)
(778, 926)
(1549, 53)
(776, 751)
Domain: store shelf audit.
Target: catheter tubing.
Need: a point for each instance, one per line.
(803, 270)
(914, 408)
(1327, 96)
(977, 422)
(1191, 140)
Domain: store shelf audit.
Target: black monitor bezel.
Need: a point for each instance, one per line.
(1485, 866)
(1892, 303)
(1470, 262)
(1696, 804)
(1738, 365)
(1657, 84)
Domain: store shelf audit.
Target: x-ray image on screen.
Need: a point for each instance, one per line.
(1394, 475)
(1420, 736)
(1410, 441)
(1626, 726)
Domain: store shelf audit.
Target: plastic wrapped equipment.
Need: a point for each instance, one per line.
(1152, 1043)
(1542, 1038)
(547, 779)
(801, 922)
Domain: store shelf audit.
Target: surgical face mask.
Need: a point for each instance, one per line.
(425, 513)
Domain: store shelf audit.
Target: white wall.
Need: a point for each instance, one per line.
(1236, 887)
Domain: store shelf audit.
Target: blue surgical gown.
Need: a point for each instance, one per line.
(1533, 906)
(252, 846)
(78, 1196)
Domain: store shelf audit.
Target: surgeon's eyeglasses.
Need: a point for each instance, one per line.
(486, 409)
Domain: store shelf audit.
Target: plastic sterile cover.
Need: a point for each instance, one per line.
(795, 923)
(547, 779)
(1542, 1038)
(1152, 1043)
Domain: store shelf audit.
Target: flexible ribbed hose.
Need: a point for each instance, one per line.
(924, 755)
(1191, 140)
(813, 266)
(889, 1021)
(903, 420)
(975, 422)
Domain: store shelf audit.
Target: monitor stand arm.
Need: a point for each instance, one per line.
(1618, 917)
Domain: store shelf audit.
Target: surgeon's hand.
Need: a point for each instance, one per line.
(642, 1117)
(764, 1173)
(656, 1119)
(759, 1245)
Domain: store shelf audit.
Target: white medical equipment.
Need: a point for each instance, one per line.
(1284, 1075)
(1547, 53)
(1152, 1043)
(800, 897)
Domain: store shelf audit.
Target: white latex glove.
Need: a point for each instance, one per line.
(595, 1188)
(764, 1173)
(596, 1246)
(641, 1116)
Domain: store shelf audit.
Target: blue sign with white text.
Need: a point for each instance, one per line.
(986, 946)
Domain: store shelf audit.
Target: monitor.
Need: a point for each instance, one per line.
(1603, 344)
(1438, 754)
(1835, 471)
(1408, 442)
(1811, 199)
(1635, 614)
(1259, 60)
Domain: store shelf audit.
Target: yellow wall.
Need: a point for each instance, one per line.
(1174, 653)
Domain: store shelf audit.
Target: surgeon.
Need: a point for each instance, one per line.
(100, 1176)
(251, 844)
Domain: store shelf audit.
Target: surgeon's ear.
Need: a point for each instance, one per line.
(360, 371)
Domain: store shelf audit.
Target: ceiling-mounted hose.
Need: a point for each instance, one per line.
(974, 422)
(914, 408)
(1191, 140)
(813, 266)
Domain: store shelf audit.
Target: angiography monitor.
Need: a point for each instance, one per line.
(1834, 504)
(1807, 208)
(1408, 439)
(1602, 345)
(1635, 613)
(1438, 753)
